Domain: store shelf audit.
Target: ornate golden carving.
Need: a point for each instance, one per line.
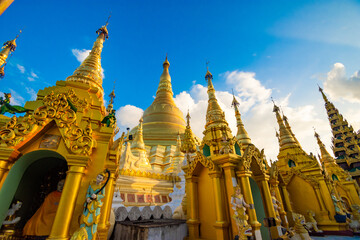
(252, 152)
(56, 107)
(204, 161)
(312, 180)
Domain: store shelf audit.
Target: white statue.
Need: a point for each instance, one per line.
(11, 218)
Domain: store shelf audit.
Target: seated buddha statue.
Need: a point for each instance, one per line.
(41, 222)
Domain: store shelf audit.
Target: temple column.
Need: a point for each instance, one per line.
(324, 213)
(325, 195)
(7, 157)
(104, 223)
(193, 215)
(229, 172)
(61, 225)
(268, 204)
(221, 224)
(287, 206)
(243, 176)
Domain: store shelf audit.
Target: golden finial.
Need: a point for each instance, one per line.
(234, 103)
(188, 118)
(166, 63)
(112, 96)
(208, 74)
(276, 108)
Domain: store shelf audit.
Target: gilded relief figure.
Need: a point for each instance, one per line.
(239, 206)
(91, 214)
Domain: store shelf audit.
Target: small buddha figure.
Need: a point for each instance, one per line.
(11, 218)
(337, 204)
(312, 223)
(239, 206)
(276, 205)
(41, 222)
(355, 218)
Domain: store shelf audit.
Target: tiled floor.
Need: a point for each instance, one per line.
(335, 238)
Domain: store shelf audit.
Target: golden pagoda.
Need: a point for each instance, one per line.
(163, 120)
(8, 48)
(299, 175)
(61, 136)
(345, 141)
(223, 166)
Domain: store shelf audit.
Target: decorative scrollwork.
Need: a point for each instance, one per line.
(204, 161)
(252, 152)
(297, 172)
(58, 107)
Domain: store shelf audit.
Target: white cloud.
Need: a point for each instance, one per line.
(21, 68)
(338, 86)
(256, 109)
(128, 117)
(34, 75)
(16, 99)
(32, 93)
(31, 79)
(81, 55)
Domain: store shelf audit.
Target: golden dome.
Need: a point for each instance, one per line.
(163, 120)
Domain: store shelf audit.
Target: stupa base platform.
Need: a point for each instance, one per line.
(155, 229)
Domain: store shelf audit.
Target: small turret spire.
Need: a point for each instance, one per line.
(323, 94)
(138, 142)
(288, 127)
(89, 71)
(214, 113)
(325, 156)
(111, 102)
(8, 48)
(241, 135)
(188, 142)
(286, 139)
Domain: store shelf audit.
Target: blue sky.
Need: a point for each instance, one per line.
(260, 48)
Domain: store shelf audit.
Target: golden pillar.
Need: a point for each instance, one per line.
(221, 224)
(61, 225)
(104, 223)
(229, 171)
(325, 195)
(268, 204)
(7, 157)
(287, 205)
(193, 215)
(243, 176)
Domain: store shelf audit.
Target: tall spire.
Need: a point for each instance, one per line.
(7, 50)
(89, 71)
(164, 92)
(345, 141)
(288, 127)
(325, 156)
(241, 135)
(286, 139)
(214, 114)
